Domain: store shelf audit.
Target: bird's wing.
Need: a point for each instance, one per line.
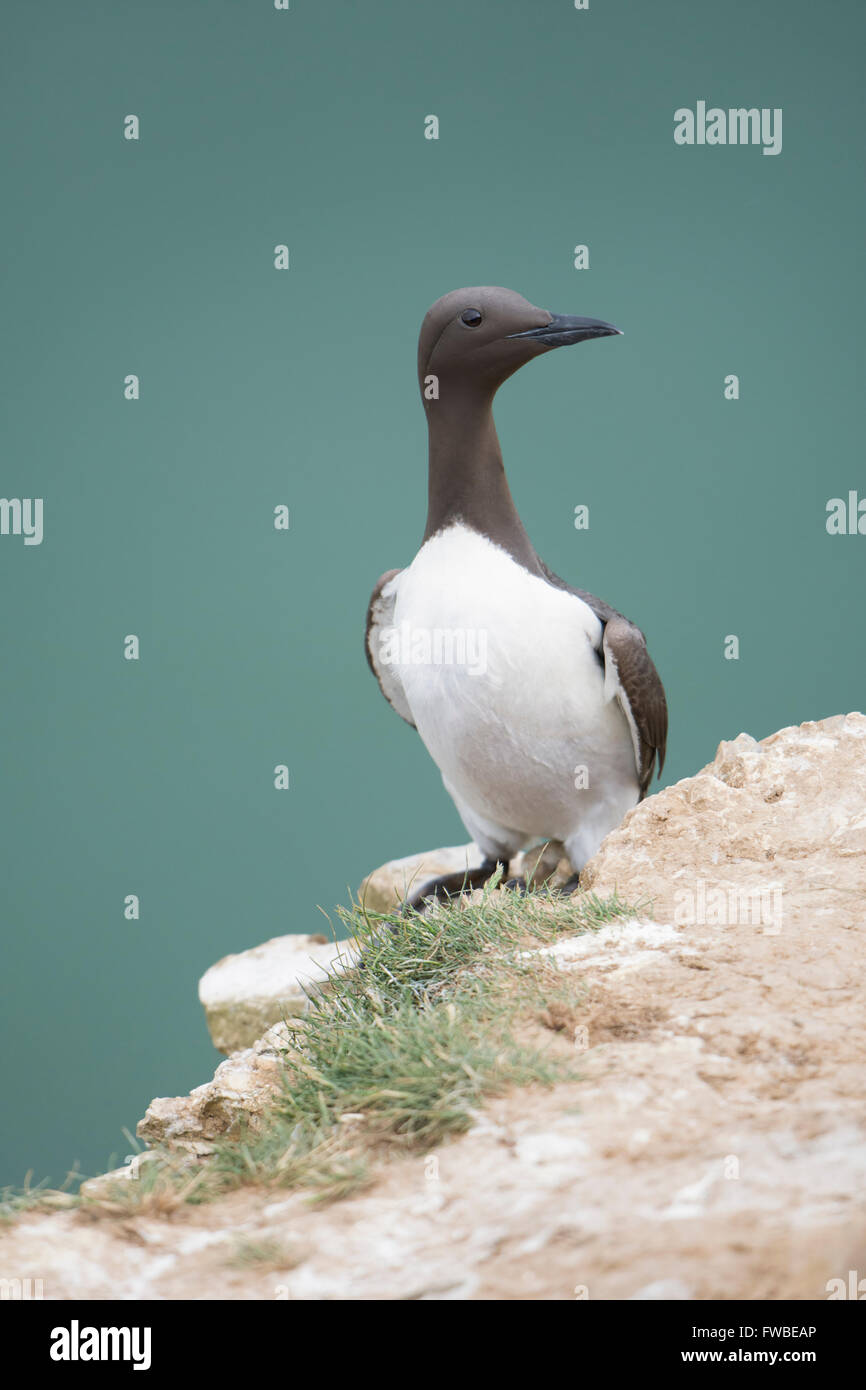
(380, 616)
(631, 678)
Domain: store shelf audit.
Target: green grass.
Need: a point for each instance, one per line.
(264, 1252)
(14, 1201)
(400, 1053)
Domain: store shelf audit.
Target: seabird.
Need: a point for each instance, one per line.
(552, 731)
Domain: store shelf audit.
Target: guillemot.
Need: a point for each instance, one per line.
(538, 702)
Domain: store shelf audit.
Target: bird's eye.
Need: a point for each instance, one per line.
(471, 317)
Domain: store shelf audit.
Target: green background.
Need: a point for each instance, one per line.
(262, 387)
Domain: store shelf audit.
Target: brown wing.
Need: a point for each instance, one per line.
(380, 616)
(631, 676)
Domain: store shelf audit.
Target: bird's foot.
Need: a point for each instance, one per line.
(450, 886)
(570, 886)
(517, 885)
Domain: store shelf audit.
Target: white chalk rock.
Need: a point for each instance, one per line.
(244, 995)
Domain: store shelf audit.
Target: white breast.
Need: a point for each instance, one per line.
(504, 680)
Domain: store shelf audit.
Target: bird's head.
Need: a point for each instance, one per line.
(480, 336)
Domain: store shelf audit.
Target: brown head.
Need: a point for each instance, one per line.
(479, 337)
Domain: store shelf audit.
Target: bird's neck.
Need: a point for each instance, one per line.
(466, 478)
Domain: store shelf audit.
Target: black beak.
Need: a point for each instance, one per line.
(568, 328)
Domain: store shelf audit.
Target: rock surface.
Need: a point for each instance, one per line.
(243, 1086)
(771, 834)
(714, 1145)
(243, 995)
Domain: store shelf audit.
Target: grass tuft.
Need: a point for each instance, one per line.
(15, 1201)
(400, 1052)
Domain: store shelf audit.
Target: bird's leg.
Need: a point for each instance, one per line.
(570, 886)
(452, 885)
